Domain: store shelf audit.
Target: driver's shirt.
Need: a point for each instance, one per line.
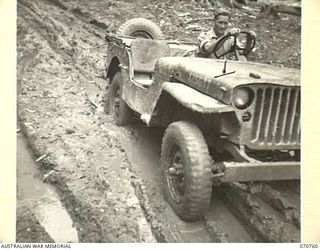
(210, 36)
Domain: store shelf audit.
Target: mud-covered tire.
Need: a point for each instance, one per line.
(115, 105)
(191, 199)
(140, 27)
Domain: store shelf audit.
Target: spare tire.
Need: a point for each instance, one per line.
(140, 27)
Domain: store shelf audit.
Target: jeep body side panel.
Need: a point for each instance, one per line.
(138, 98)
(144, 100)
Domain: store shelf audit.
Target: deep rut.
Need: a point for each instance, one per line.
(268, 212)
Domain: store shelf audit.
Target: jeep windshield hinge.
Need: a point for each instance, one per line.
(224, 70)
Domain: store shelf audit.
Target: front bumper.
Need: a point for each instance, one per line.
(260, 171)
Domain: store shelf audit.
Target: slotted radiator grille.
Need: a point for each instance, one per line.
(276, 119)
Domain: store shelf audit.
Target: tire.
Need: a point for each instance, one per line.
(140, 27)
(121, 113)
(188, 188)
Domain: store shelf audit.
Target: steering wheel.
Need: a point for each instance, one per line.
(240, 50)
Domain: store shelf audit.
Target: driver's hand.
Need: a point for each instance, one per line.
(253, 34)
(234, 31)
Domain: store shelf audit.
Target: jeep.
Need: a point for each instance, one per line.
(225, 120)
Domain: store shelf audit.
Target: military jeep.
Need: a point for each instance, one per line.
(224, 120)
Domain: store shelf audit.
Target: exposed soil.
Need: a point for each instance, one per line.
(41, 216)
(108, 177)
(28, 227)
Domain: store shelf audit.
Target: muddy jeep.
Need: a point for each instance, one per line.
(225, 120)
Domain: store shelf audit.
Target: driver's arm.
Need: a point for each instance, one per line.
(208, 46)
(206, 42)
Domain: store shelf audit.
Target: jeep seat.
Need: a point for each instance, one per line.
(144, 55)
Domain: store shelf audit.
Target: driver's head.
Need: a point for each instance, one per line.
(221, 22)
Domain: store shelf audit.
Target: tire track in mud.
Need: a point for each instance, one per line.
(142, 146)
(254, 212)
(53, 102)
(41, 217)
(70, 34)
(263, 217)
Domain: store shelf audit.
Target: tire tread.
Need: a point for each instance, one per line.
(128, 27)
(198, 199)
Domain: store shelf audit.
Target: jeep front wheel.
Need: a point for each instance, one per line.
(186, 165)
(115, 105)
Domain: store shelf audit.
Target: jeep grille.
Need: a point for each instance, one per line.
(276, 120)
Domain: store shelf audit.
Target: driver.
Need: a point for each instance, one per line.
(207, 40)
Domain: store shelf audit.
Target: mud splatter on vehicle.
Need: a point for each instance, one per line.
(108, 177)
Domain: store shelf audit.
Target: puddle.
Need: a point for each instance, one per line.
(41, 198)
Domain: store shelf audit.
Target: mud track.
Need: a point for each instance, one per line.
(108, 177)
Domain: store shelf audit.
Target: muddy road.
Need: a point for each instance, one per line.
(41, 216)
(106, 177)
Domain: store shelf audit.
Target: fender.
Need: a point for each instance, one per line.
(118, 58)
(112, 67)
(194, 100)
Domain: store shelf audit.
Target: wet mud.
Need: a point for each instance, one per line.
(40, 212)
(107, 178)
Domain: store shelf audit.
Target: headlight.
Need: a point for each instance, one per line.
(242, 97)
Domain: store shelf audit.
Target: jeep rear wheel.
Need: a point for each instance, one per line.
(115, 105)
(186, 166)
(140, 27)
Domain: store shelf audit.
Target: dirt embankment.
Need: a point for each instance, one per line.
(28, 228)
(278, 39)
(61, 56)
(90, 169)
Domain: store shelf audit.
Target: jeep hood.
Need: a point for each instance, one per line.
(206, 75)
